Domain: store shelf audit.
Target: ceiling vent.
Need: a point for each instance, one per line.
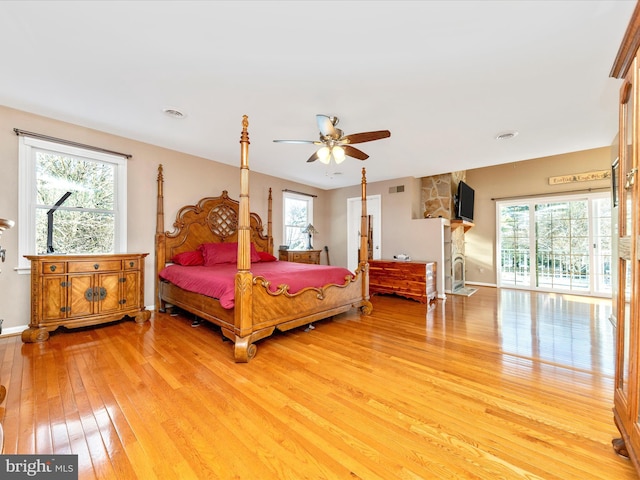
(174, 112)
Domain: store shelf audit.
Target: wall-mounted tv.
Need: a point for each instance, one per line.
(464, 206)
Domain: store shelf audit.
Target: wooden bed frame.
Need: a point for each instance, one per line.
(257, 311)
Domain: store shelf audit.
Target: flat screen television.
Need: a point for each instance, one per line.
(464, 206)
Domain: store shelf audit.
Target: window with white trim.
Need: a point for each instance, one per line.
(559, 243)
(298, 213)
(72, 200)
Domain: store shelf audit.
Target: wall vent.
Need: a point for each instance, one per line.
(396, 189)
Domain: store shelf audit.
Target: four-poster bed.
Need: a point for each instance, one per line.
(261, 302)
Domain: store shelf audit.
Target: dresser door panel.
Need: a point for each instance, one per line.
(80, 295)
(54, 297)
(108, 291)
(130, 288)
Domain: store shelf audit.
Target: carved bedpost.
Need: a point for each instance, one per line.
(364, 248)
(364, 257)
(269, 228)
(160, 238)
(243, 303)
(244, 232)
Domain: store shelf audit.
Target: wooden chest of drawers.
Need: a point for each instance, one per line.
(80, 290)
(415, 280)
(301, 256)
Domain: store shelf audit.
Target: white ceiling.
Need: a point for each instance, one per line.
(445, 77)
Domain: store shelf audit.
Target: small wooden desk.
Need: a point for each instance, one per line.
(415, 280)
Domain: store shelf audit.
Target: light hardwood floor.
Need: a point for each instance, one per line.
(502, 384)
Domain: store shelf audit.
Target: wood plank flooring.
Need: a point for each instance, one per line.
(504, 384)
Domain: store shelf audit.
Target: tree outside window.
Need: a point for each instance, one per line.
(298, 213)
(85, 221)
(72, 200)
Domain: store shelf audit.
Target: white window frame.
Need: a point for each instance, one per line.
(295, 196)
(27, 148)
(531, 202)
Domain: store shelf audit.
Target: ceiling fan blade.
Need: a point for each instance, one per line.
(299, 141)
(355, 153)
(327, 127)
(366, 136)
(313, 158)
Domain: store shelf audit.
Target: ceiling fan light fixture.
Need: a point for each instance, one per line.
(338, 154)
(324, 155)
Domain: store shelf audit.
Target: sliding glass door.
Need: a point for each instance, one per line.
(556, 244)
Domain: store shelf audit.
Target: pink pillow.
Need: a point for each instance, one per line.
(215, 253)
(255, 255)
(266, 257)
(188, 258)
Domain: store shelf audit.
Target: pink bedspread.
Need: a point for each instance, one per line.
(219, 281)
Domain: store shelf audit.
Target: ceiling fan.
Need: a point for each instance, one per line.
(333, 142)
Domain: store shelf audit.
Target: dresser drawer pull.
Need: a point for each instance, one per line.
(123, 301)
(52, 268)
(96, 266)
(65, 309)
(131, 264)
(122, 279)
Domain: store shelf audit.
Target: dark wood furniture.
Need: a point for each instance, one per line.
(415, 280)
(300, 256)
(626, 399)
(80, 290)
(257, 311)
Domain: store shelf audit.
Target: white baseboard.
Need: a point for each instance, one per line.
(9, 331)
(482, 284)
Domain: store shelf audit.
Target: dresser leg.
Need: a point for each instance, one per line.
(35, 334)
(620, 448)
(143, 316)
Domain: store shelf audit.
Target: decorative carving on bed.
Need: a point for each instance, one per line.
(320, 292)
(223, 220)
(211, 220)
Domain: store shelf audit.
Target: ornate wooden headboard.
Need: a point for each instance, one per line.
(211, 220)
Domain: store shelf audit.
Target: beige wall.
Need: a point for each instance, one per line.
(403, 224)
(529, 177)
(187, 179)
(405, 231)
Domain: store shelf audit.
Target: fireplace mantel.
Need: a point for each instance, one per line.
(461, 223)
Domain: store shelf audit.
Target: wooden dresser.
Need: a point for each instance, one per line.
(415, 280)
(301, 256)
(80, 290)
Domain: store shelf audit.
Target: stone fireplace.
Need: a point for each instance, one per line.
(438, 193)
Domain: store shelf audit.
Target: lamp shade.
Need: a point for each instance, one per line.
(324, 155)
(338, 154)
